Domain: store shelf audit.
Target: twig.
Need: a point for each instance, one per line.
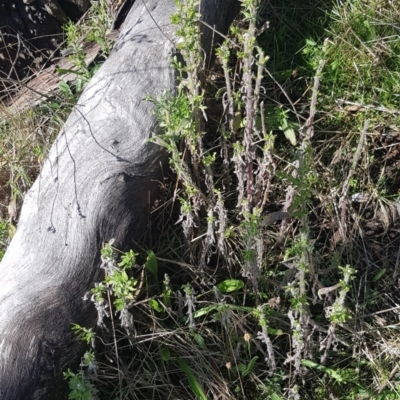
(309, 125)
(158, 26)
(340, 102)
(114, 337)
(231, 111)
(220, 34)
(307, 258)
(249, 148)
(345, 189)
(396, 269)
(15, 57)
(26, 86)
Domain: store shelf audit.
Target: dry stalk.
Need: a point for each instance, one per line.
(230, 112)
(309, 125)
(268, 164)
(345, 189)
(249, 148)
(114, 338)
(229, 101)
(307, 258)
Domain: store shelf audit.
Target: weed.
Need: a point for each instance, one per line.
(80, 387)
(96, 27)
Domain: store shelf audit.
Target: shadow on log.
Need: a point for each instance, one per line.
(98, 183)
(30, 32)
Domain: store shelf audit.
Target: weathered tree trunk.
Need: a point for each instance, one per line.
(97, 184)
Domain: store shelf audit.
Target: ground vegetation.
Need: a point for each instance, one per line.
(273, 267)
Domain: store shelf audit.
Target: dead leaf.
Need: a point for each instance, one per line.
(355, 108)
(273, 217)
(12, 209)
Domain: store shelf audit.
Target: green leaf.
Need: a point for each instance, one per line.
(151, 263)
(249, 368)
(200, 341)
(242, 368)
(155, 305)
(332, 373)
(290, 135)
(279, 76)
(230, 285)
(237, 121)
(220, 307)
(128, 260)
(65, 89)
(183, 124)
(379, 275)
(310, 42)
(205, 310)
(165, 354)
(275, 396)
(193, 382)
(275, 332)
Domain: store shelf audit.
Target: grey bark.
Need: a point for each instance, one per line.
(98, 184)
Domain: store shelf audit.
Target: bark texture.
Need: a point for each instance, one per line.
(97, 184)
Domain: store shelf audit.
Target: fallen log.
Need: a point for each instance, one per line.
(98, 184)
